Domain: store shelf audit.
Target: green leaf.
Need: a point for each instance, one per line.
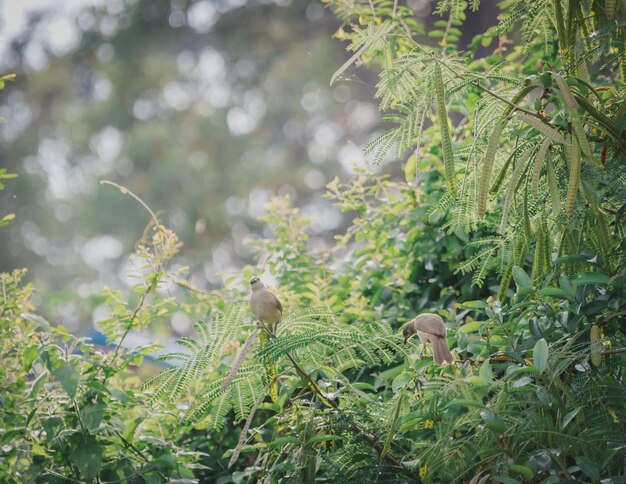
(478, 304)
(38, 320)
(540, 355)
(410, 168)
(522, 382)
(92, 415)
(572, 259)
(6, 219)
(38, 384)
(463, 402)
(323, 438)
(69, 377)
(400, 381)
(476, 381)
(486, 373)
(522, 470)
(590, 278)
(569, 416)
(87, 457)
(470, 327)
(280, 441)
(588, 468)
(29, 356)
(521, 278)
(120, 395)
(556, 293)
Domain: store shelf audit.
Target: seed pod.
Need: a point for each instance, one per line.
(596, 345)
(444, 129)
(574, 178)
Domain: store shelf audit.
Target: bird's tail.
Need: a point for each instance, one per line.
(270, 370)
(441, 352)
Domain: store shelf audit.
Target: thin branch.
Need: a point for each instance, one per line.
(188, 285)
(239, 361)
(614, 352)
(246, 427)
(126, 191)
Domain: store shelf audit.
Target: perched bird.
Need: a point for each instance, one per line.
(430, 329)
(264, 304)
(269, 311)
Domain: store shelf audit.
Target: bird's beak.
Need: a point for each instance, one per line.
(406, 338)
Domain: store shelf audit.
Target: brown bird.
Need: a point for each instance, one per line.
(269, 311)
(430, 329)
(264, 304)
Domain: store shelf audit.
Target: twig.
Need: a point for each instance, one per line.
(126, 191)
(613, 352)
(130, 322)
(158, 268)
(242, 355)
(188, 285)
(246, 427)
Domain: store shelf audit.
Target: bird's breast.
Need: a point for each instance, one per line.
(264, 307)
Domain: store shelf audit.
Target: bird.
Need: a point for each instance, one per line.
(430, 329)
(269, 311)
(265, 305)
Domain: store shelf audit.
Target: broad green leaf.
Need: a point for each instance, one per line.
(6, 219)
(92, 415)
(69, 377)
(522, 470)
(569, 416)
(588, 468)
(87, 457)
(29, 356)
(476, 381)
(400, 381)
(555, 292)
(120, 395)
(522, 369)
(38, 384)
(462, 402)
(410, 168)
(521, 278)
(478, 304)
(522, 382)
(572, 259)
(280, 441)
(323, 438)
(540, 355)
(486, 373)
(590, 278)
(470, 327)
(166, 461)
(38, 320)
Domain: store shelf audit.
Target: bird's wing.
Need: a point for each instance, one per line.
(277, 303)
(430, 323)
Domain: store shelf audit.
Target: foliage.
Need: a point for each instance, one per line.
(538, 146)
(203, 118)
(71, 408)
(537, 393)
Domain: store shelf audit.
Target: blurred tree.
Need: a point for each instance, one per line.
(205, 108)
